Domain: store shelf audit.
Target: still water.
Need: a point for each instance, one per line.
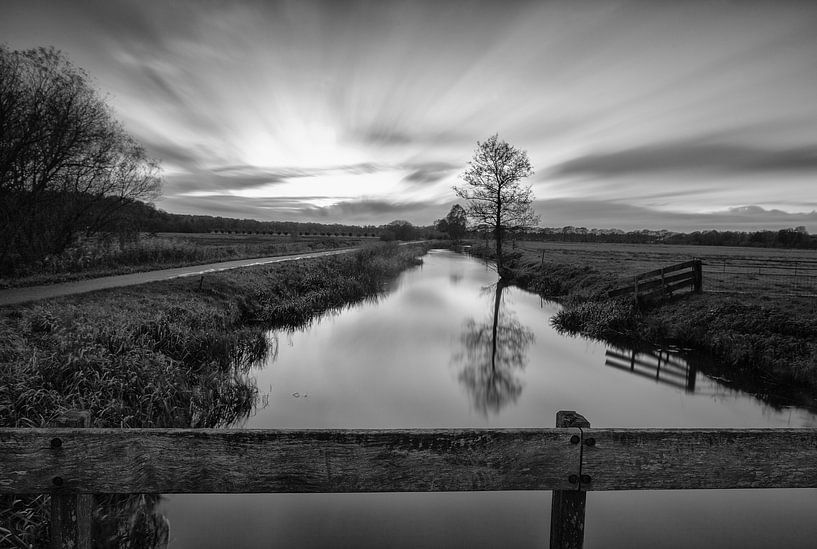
(420, 357)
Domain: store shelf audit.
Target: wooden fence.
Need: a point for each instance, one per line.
(571, 459)
(661, 281)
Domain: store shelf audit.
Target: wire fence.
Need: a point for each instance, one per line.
(772, 277)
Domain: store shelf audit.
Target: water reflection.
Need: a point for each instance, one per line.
(225, 394)
(660, 366)
(492, 355)
(130, 521)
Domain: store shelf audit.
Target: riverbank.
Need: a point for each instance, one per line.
(164, 251)
(173, 353)
(176, 353)
(755, 339)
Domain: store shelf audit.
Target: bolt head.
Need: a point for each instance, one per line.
(573, 479)
(586, 479)
(56, 442)
(58, 481)
(590, 442)
(574, 439)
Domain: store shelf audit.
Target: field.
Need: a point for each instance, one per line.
(756, 319)
(772, 271)
(109, 256)
(167, 354)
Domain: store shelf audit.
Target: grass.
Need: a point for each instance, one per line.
(104, 257)
(761, 336)
(170, 353)
(166, 354)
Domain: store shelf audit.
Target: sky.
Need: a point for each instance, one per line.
(683, 116)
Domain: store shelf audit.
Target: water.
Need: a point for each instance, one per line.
(421, 358)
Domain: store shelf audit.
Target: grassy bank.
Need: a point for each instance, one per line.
(167, 354)
(752, 337)
(105, 257)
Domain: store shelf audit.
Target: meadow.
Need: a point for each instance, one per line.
(110, 255)
(167, 354)
(758, 323)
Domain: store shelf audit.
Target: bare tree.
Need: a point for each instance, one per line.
(65, 163)
(498, 201)
(494, 352)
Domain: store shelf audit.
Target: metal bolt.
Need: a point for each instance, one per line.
(574, 439)
(573, 479)
(590, 442)
(586, 479)
(56, 442)
(57, 481)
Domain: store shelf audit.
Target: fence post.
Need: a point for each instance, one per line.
(71, 514)
(567, 510)
(698, 276)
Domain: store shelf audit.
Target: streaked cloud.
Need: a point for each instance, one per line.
(677, 108)
(692, 156)
(303, 208)
(604, 214)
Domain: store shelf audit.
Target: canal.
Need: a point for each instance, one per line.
(445, 346)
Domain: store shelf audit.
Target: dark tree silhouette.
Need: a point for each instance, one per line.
(455, 224)
(498, 201)
(493, 353)
(66, 165)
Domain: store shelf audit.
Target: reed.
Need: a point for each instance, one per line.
(754, 339)
(168, 354)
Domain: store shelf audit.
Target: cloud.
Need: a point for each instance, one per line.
(202, 180)
(303, 208)
(430, 172)
(610, 214)
(691, 156)
(170, 151)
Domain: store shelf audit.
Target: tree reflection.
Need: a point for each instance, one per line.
(493, 352)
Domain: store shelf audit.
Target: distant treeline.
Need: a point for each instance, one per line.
(144, 218)
(67, 166)
(784, 238)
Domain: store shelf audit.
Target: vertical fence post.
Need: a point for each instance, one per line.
(567, 510)
(698, 276)
(71, 514)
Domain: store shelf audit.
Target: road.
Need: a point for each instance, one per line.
(13, 296)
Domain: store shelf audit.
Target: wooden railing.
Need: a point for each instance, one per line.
(661, 281)
(570, 460)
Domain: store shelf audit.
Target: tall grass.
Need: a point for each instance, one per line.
(751, 337)
(167, 354)
(100, 257)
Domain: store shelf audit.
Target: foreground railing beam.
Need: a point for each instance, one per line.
(120, 461)
(672, 459)
(71, 513)
(567, 509)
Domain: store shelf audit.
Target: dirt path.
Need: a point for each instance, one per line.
(13, 296)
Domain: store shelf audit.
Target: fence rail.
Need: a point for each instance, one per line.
(569, 460)
(772, 278)
(661, 281)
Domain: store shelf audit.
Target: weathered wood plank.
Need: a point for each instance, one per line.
(687, 277)
(651, 366)
(646, 375)
(658, 282)
(238, 461)
(567, 509)
(691, 278)
(665, 270)
(668, 459)
(71, 513)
